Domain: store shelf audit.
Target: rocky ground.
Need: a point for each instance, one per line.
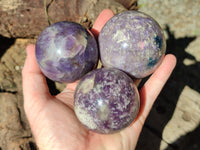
(14, 129)
(173, 123)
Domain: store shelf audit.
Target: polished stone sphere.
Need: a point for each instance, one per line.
(66, 51)
(132, 42)
(106, 100)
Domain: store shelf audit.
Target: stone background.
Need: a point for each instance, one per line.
(173, 123)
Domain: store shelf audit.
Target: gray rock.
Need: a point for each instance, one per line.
(14, 130)
(181, 16)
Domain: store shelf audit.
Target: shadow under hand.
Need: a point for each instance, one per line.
(191, 140)
(52, 87)
(163, 108)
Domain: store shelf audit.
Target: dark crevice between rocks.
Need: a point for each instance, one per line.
(27, 137)
(46, 8)
(20, 119)
(7, 91)
(5, 43)
(32, 145)
(133, 6)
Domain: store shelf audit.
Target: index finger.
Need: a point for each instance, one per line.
(101, 20)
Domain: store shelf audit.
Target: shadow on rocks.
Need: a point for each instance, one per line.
(5, 43)
(163, 108)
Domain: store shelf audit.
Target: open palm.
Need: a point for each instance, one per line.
(52, 118)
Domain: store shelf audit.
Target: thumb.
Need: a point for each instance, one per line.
(35, 89)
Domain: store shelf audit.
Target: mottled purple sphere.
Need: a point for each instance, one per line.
(66, 51)
(106, 100)
(133, 42)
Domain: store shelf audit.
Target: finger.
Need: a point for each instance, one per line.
(67, 95)
(151, 89)
(35, 88)
(72, 86)
(149, 93)
(30, 63)
(103, 17)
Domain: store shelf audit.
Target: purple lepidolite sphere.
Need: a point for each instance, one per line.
(65, 51)
(133, 42)
(106, 100)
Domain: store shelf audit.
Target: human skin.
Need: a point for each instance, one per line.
(52, 119)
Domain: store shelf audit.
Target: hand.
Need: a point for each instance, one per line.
(52, 118)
